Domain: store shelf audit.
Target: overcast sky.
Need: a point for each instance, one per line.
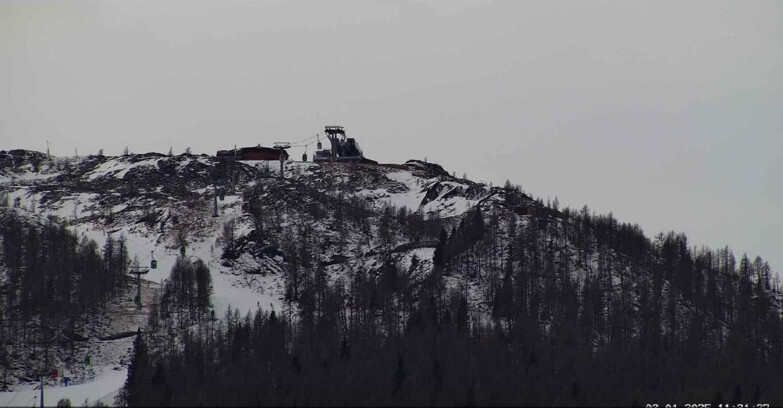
(669, 114)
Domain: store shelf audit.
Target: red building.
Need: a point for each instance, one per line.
(252, 153)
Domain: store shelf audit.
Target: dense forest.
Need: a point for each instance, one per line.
(54, 285)
(578, 309)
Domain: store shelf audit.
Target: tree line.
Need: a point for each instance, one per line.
(577, 309)
(53, 282)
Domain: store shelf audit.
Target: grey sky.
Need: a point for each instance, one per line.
(668, 114)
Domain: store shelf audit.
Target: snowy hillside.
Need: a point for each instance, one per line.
(158, 202)
(418, 238)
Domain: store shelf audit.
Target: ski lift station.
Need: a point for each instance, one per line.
(341, 149)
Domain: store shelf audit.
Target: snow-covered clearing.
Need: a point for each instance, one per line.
(103, 388)
(238, 290)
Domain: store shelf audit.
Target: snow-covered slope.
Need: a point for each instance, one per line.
(254, 230)
(159, 202)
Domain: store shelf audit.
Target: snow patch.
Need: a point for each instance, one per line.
(106, 384)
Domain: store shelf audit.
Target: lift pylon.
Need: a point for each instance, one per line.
(281, 146)
(138, 271)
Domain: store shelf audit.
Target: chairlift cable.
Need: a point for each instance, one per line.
(307, 138)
